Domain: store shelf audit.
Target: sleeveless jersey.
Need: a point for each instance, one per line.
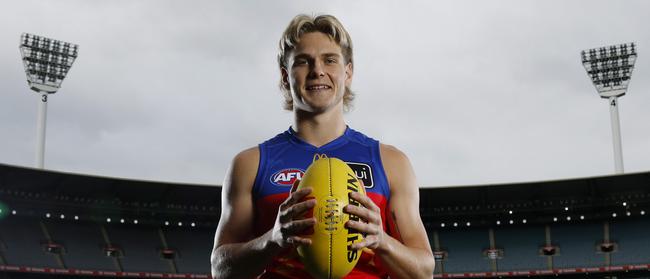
(284, 159)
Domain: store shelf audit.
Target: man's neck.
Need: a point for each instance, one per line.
(319, 129)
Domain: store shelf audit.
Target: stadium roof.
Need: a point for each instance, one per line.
(600, 186)
(593, 194)
(61, 183)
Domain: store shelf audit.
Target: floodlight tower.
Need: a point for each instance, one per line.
(610, 69)
(46, 61)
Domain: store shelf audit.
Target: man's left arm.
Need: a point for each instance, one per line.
(410, 257)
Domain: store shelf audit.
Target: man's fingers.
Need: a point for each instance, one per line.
(296, 196)
(296, 227)
(292, 229)
(368, 242)
(296, 240)
(363, 213)
(296, 210)
(364, 200)
(300, 208)
(365, 228)
(294, 187)
(360, 245)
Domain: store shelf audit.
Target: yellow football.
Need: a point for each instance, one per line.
(329, 255)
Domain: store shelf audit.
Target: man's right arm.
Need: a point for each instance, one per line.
(237, 253)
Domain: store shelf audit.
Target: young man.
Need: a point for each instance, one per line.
(261, 219)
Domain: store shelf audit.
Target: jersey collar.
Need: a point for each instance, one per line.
(293, 137)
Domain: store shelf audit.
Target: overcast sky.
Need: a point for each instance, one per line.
(474, 92)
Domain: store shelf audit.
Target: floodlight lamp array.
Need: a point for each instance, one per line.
(610, 68)
(46, 61)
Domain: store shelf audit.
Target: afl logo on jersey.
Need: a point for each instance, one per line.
(286, 177)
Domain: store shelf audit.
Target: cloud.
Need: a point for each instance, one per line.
(473, 92)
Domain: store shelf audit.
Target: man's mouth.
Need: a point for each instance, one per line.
(318, 87)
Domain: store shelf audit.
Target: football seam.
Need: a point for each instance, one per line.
(329, 272)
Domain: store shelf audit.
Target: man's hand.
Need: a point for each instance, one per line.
(371, 226)
(289, 223)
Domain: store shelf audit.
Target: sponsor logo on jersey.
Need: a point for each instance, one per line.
(363, 172)
(286, 177)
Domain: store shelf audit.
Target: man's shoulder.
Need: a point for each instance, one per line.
(246, 159)
(248, 153)
(243, 169)
(249, 158)
(391, 152)
(396, 163)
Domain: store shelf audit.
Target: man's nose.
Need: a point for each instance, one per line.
(317, 70)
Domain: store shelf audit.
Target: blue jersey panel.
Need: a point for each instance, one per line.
(284, 159)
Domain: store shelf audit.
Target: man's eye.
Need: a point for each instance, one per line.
(300, 62)
(331, 61)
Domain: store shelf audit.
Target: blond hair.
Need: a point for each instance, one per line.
(325, 24)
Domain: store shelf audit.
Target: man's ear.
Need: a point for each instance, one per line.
(285, 78)
(349, 71)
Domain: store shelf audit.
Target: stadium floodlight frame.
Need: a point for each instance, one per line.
(47, 62)
(610, 69)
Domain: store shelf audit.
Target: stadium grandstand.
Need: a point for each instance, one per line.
(62, 225)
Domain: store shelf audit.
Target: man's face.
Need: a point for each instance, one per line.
(317, 73)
